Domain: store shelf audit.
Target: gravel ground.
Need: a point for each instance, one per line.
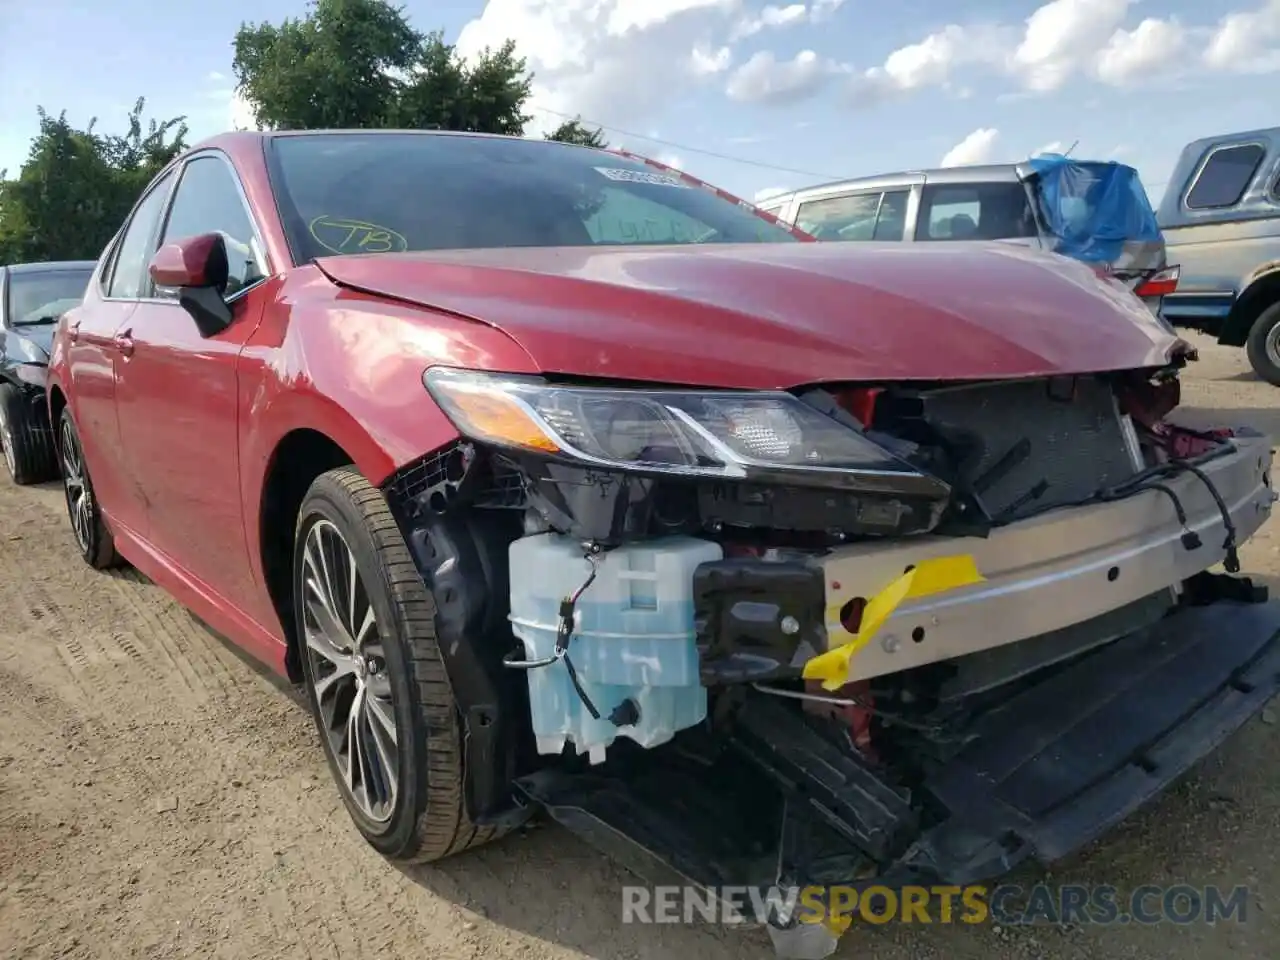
(159, 797)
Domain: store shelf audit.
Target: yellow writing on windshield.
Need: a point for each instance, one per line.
(342, 235)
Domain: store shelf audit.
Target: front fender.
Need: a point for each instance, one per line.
(1258, 291)
(24, 362)
(349, 367)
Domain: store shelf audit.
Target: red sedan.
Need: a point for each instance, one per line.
(562, 481)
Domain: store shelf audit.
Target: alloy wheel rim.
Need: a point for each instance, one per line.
(79, 499)
(10, 458)
(1273, 345)
(350, 684)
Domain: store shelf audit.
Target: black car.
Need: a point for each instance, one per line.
(32, 298)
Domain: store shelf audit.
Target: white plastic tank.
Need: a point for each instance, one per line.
(633, 639)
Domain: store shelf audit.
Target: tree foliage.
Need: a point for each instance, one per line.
(573, 131)
(359, 63)
(344, 64)
(77, 185)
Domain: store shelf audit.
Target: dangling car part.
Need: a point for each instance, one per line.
(565, 483)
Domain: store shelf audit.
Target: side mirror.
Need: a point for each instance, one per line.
(197, 268)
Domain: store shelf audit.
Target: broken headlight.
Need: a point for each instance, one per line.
(764, 436)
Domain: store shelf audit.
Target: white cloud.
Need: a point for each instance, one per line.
(932, 62)
(1153, 47)
(640, 15)
(240, 114)
(1067, 39)
(1062, 37)
(763, 195)
(1053, 146)
(766, 79)
(770, 16)
(595, 58)
(1247, 41)
(704, 61)
(977, 147)
(821, 10)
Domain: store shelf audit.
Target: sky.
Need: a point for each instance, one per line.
(753, 97)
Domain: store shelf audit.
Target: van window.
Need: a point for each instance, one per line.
(1225, 177)
(858, 216)
(851, 217)
(979, 211)
(891, 223)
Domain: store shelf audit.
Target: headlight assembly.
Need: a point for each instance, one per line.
(762, 436)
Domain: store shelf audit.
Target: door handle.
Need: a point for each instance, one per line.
(124, 343)
(73, 331)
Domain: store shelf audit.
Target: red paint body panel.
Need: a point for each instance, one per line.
(181, 432)
(782, 315)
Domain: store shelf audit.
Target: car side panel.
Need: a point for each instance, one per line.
(1217, 262)
(176, 401)
(88, 368)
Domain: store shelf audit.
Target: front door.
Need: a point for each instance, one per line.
(93, 360)
(178, 398)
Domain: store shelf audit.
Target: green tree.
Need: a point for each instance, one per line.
(359, 63)
(573, 131)
(77, 186)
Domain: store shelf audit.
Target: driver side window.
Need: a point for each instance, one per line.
(134, 249)
(209, 201)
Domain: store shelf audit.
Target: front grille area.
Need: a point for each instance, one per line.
(1068, 432)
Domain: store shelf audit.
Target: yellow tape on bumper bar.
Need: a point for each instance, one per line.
(924, 579)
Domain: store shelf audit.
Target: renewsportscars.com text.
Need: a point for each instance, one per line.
(1006, 905)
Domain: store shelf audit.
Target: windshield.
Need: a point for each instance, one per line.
(34, 295)
(379, 193)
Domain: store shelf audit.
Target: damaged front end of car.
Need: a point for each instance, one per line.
(855, 634)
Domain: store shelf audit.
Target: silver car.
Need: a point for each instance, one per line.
(1006, 202)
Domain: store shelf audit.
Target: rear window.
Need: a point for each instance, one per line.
(1225, 177)
(379, 193)
(980, 211)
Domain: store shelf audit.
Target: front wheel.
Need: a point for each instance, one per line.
(29, 456)
(1263, 345)
(92, 536)
(375, 681)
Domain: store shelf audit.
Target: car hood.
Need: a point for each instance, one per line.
(764, 316)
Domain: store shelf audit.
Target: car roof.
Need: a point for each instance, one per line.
(243, 136)
(50, 266)
(977, 173)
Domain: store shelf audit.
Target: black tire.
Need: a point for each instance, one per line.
(427, 819)
(96, 545)
(29, 455)
(1265, 362)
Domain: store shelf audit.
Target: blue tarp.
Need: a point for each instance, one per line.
(1093, 208)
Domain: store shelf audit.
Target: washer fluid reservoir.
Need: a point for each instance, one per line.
(633, 640)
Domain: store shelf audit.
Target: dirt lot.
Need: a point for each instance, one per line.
(161, 798)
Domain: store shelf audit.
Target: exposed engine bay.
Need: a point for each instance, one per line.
(833, 634)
